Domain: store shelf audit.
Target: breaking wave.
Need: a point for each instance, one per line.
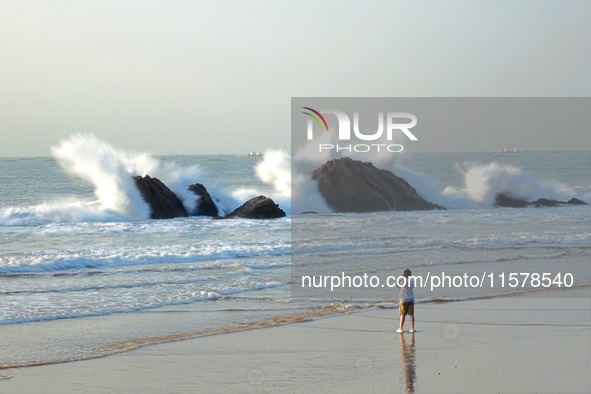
(482, 182)
(110, 172)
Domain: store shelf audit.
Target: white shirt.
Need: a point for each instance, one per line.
(407, 292)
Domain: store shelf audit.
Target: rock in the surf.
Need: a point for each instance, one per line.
(545, 202)
(164, 204)
(502, 200)
(204, 204)
(354, 186)
(260, 207)
(576, 201)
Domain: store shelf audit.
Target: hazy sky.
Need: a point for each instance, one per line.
(193, 77)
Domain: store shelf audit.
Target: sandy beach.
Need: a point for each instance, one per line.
(517, 345)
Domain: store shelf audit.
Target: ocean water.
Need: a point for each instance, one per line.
(84, 272)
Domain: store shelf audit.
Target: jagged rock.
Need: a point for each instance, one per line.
(260, 207)
(544, 202)
(576, 201)
(205, 205)
(501, 200)
(353, 186)
(164, 204)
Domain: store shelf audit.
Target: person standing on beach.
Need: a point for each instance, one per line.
(406, 304)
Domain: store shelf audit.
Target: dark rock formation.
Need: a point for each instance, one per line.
(544, 202)
(260, 207)
(163, 203)
(502, 200)
(353, 186)
(205, 205)
(576, 201)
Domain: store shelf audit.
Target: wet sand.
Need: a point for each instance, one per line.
(518, 344)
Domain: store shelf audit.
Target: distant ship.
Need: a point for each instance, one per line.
(510, 151)
(249, 154)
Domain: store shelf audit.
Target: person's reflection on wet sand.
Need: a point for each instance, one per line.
(407, 361)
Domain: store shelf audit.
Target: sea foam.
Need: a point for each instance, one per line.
(483, 182)
(110, 172)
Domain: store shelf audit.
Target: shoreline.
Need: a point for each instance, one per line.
(517, 344)
(311, 314)
(138, 343)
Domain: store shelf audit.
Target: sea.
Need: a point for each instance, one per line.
(85, 272)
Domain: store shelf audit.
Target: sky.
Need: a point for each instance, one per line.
(207, 77)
